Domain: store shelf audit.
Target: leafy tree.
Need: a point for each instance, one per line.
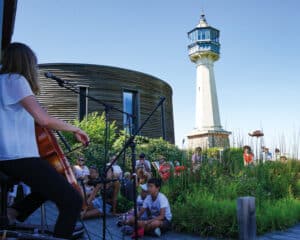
(152, 147)
(94, 125)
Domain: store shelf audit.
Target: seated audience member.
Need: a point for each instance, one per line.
(118, 173)
(143, 163)
(81, 171)
(157, 204)
(89, 186)
(164, 169)
(248, 156)
(127, 217)
(142, 176)
(95, 204)
(140, 200)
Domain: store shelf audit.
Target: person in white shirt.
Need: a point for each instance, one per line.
(143, 163)
(118, 172)
(81, 171)
(19, 153)
(157, 204)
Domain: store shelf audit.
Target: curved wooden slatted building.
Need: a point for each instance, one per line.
(124, 89)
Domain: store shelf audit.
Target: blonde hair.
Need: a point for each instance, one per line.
(19, 58)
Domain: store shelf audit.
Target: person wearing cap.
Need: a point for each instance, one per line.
(143, 163)
(127, 219)
(140, 200)
(139, 203)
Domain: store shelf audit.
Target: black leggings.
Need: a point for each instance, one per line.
(46, 184)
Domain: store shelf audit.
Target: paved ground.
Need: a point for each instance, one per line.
(292, 233)
(94, 229)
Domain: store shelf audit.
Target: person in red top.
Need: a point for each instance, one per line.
(248, 155)
(164, 169)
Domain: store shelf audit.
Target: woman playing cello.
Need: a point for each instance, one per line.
(19, 155)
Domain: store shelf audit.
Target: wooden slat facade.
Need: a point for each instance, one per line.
(107, 84)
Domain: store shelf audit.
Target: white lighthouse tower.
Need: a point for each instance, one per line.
(204, 50)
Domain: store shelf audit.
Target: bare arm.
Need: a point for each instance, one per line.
(94, 193)
(141, 212)
(45, 120)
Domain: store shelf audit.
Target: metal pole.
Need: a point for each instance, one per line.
(163, 125)
(246, 218)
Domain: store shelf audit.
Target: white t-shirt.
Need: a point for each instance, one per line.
(17, 130)
(154, 206)
(117, 171)
(140, 164)
(81, 172)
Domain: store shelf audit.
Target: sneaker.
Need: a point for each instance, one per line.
(140, 233)
(127, 230)
(157, 232)
(120, 223)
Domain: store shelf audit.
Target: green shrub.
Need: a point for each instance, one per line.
(94, 125)
(123, 205)
(152, 148)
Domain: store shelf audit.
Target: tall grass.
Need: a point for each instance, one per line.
(204, 202)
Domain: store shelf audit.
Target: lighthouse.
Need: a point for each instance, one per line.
(204, 50)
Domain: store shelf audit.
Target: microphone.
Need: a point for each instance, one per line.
(57, 79)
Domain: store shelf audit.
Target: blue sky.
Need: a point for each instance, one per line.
(257, 75)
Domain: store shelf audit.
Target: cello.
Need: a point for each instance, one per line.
(50, 150)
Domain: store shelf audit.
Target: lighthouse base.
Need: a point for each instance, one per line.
(208, 139)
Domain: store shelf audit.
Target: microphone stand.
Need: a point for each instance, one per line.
(107, 108)
(130, 143)
(128, 131)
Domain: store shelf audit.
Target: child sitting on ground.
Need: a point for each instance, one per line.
(95, 204)
(157, 204)
(139, 202)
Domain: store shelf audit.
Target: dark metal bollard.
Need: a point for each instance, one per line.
(246, 218)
